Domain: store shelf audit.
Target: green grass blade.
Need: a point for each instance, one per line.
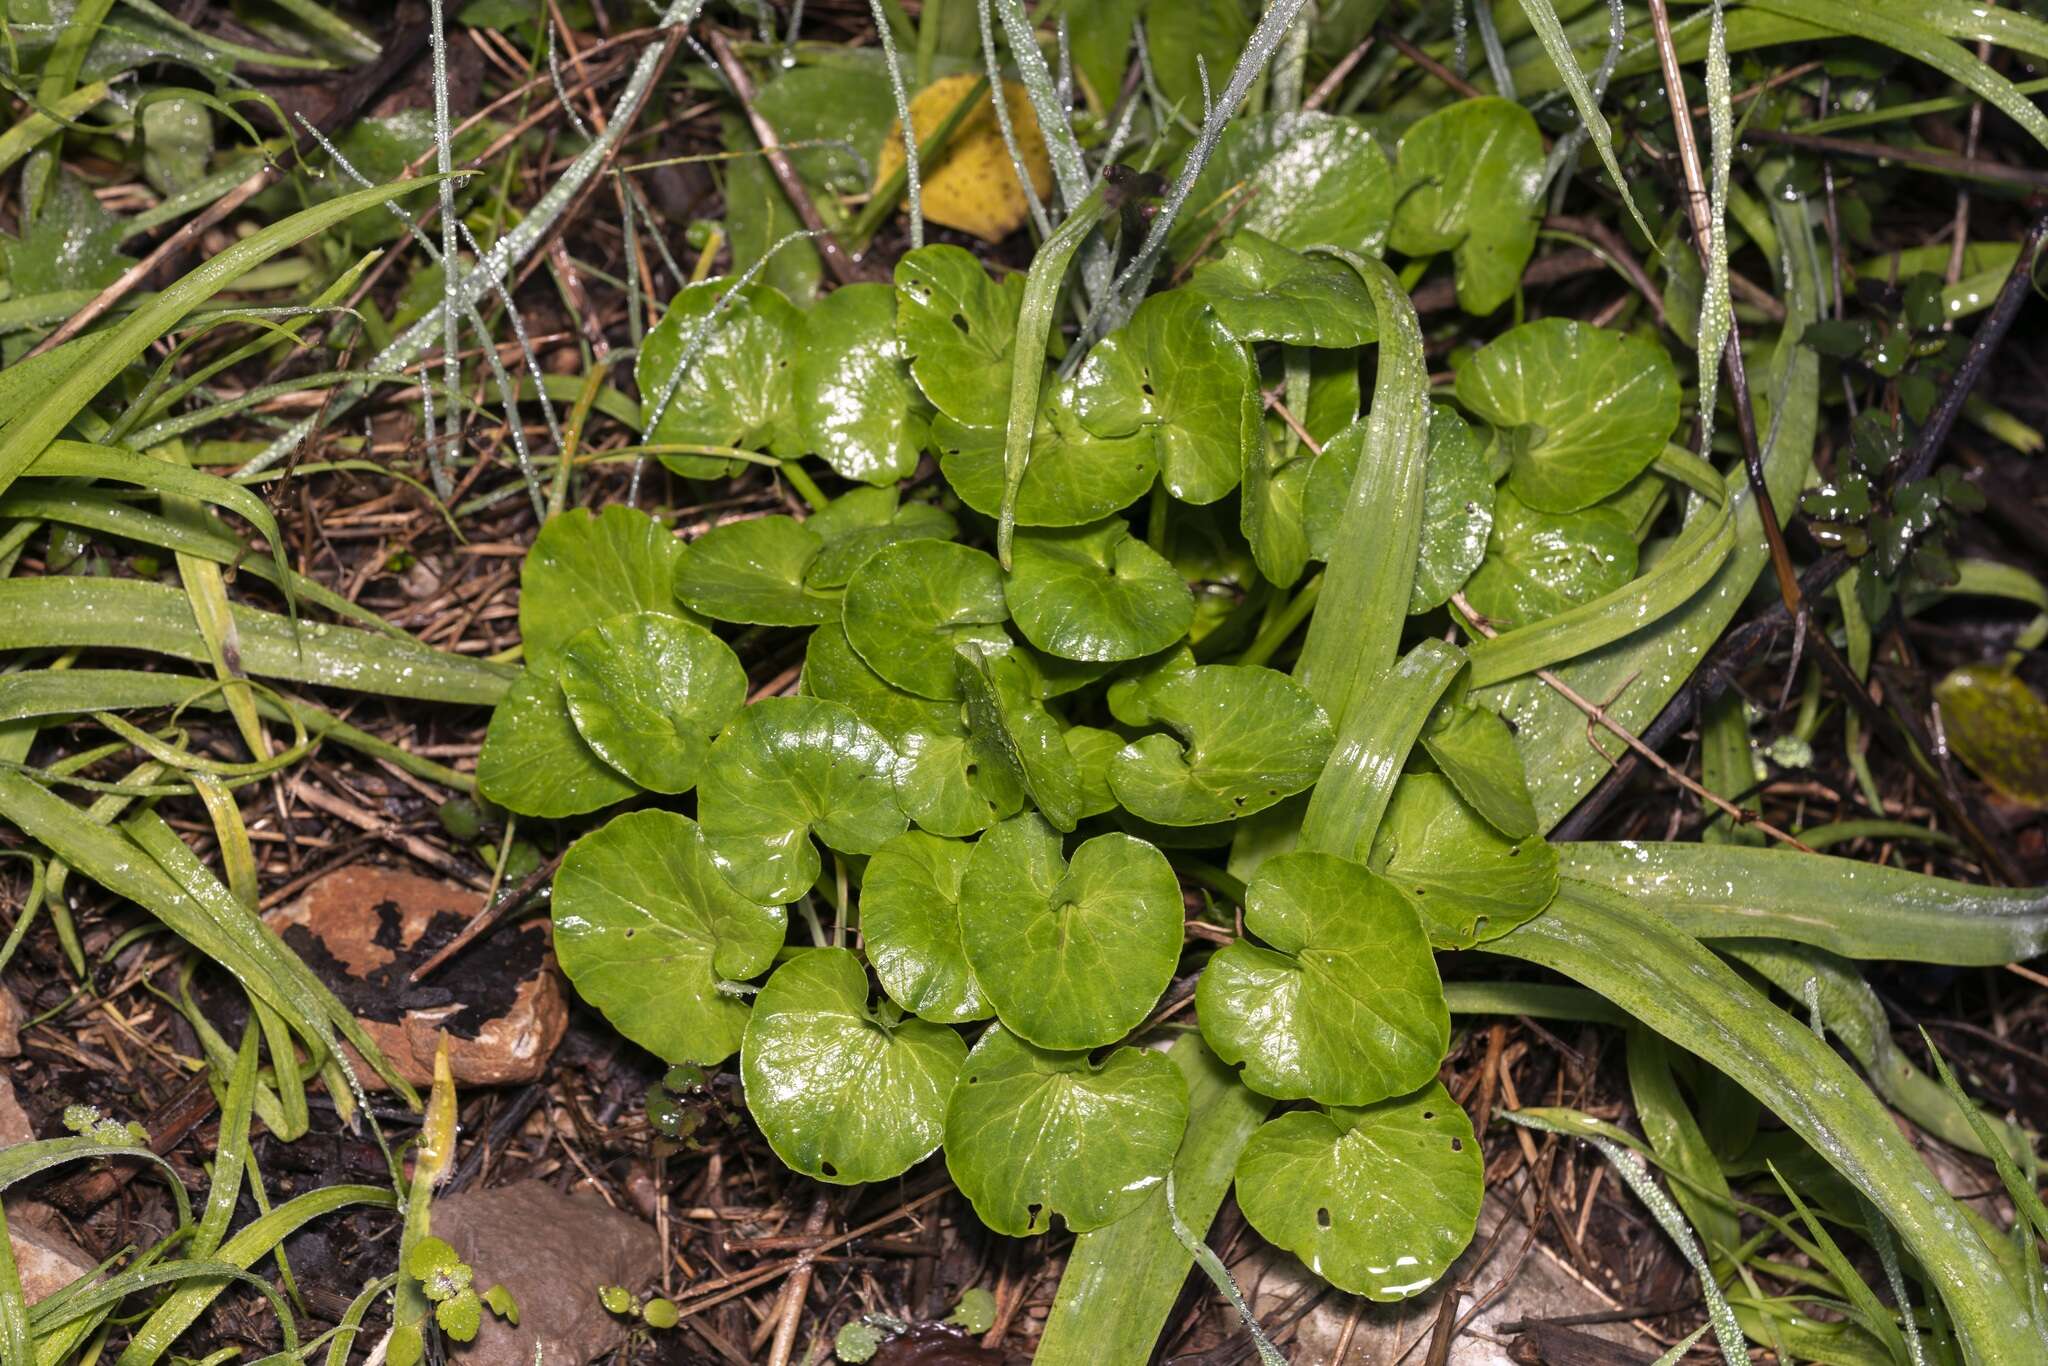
(1543, 19)
(2018, 1185)
(23, 1160)
(1345, 807)
(1858, 910)
(28, 132)
(1867, 1310)
(230, 1149)
(15, 1342)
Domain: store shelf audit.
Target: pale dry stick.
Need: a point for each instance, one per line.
(789, 1312)
(1597, 715)
(1273, 401)
(1328, 87)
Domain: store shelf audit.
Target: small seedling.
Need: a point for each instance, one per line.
(447, 1281)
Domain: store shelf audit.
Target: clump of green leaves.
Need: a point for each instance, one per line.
(448, 1283)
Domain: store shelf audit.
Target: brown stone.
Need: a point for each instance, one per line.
(362, 929)
(45, 1255)
(11, 1020)
(14, 1122)
(552, 1251)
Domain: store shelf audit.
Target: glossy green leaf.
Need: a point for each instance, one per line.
(1096, 593)
(1071, 475)
(1175, 373)
(1248, 738)
(1312, 179)
(1476, 751)
(843, 1091)
(1016, 731)
(1467, 881)
(1457, 510)
(1094, 750)
(854, 399)
(1582, 409)
(647, 929)
(1032, 1133)
(1340, 1003)
(1999, 727)
(864, 521)
(1266, 292)
(1378, 1201)
(1539, 564)
(585, 567)
(787, 769)
(535, 762)
(1072, 955)
(958, 328)
(735, 390)
(1468, 183)
(910, 925)
(912, 604)
(1271, 507)
(753, 572)
(648, 692)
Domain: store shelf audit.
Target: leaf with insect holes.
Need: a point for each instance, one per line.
(1073, 475)
(910, 923)
(1072, 955)
(911, 605)
(646, 928)
(1248, 737)
(1379, 1201)
(1176, 374)
(586, 566)
(1540, 563)
(1581, 409)
(1341, 1002)
(752, 572)
(787, 769)
(648, 692)
(843, 1091)
(1301, 179)
(735, 391)
(1468, 183)
(855, 403)
(1266, 292)
(1467, 881)
(959, 329)
(1096, 593)
(535, 762)
(1031, 1133)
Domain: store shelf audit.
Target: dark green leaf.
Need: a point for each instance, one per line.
(958, 328)
(648, 692)
(1265, 292)
(1476, 751)
(753, 572)
(535, 763)
(1312, 179)
(736, 389)
(912, 604)
(1072, 475)
(910, 924)
(1457, 510)
(587, 566)
(1540, 563)
(1096, 593)
(1468, 184)
(853, 393)
(1248, 737)
(1467, 881)
(1015, 730)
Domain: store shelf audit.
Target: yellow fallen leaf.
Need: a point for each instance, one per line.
(973, 186)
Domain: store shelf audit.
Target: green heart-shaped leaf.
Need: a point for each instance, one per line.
(1175, 372)
(646, 929)
(1096, 593)
(842, 1092)
(1470, 176)
(648, 692)
(1016, 730)
(1310, 179)
(910, 924)
(1467, 881)
(1999, 727)
(1378, 1201)
(735, 391)
(1073, 475)
(958, 328)
(584, 567)
(786, 769)
(1265, 292)
(911, 604)
(854, 399)
(861, 522)
(1583, 409)
(1345, 1006)
(1032, 1133)
(1477, 752)
(1071, 955)
(752, 572)
(1540, 563)
(534, 762)
(1249, 737)
(1457, 510)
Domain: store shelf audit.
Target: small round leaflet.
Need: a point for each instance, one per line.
(648, 692)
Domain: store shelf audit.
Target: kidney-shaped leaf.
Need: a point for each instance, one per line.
(1477, 752)
(584, 567)
(1344, 1006)
(752, 572)
(1540, 563)
(1582, 408)
(1378, 1201)
(648, 692)
(1096, 593)
(534, 762)
(862, 522)
(1072, 475)
(735, 390)
(912, 603)
(1175, 373)
(843, 1092)
(646, 929)
(1015, 730)
(854, 399)
(1467, 881)
(1032, 1133)
(1470, 176)
(958, 328)
(1249, 736)
(1265, 292)
(1071, 955)
(1312, 179)
(910, 923)
(786, 769)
